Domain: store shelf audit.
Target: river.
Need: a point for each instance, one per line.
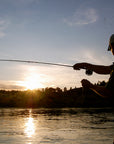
(57, 126)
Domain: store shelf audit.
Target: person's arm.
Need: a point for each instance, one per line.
(96, 68)
(100, 90)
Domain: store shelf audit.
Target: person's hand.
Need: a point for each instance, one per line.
(79, 66)
(86, 83)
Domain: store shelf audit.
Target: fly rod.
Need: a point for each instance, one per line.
(88, 72)
(35, 62)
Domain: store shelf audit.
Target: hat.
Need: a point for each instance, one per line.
(111, 40)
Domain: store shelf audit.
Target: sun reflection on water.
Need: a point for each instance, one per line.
(29, 126)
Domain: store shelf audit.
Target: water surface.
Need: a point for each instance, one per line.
(57, 126)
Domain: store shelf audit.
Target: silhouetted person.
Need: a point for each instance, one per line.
(104, 91)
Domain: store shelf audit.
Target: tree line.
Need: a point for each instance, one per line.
(52, 97)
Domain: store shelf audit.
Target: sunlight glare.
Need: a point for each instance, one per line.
(33, 82)
(34, 78)
(29, 127)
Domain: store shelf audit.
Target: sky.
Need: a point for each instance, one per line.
(57, 31)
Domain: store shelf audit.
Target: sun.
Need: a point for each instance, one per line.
(32, 81)
(33, 78)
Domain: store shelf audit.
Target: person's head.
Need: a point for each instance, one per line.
(111, 44)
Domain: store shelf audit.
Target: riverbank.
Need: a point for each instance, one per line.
(51, 97)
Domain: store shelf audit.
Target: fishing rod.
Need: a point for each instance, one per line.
(35, 62)
(88, 72)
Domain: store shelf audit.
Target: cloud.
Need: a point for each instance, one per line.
(7, 85)
(3, 26)
(86, 54)
(11, 87)
(2, 34)
(82, 17)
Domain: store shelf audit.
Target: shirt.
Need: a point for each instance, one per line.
(110, 83)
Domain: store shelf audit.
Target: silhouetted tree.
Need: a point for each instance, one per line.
(58, 90)
(65, 89)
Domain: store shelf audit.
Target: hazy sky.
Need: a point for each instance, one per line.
(58, 31)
